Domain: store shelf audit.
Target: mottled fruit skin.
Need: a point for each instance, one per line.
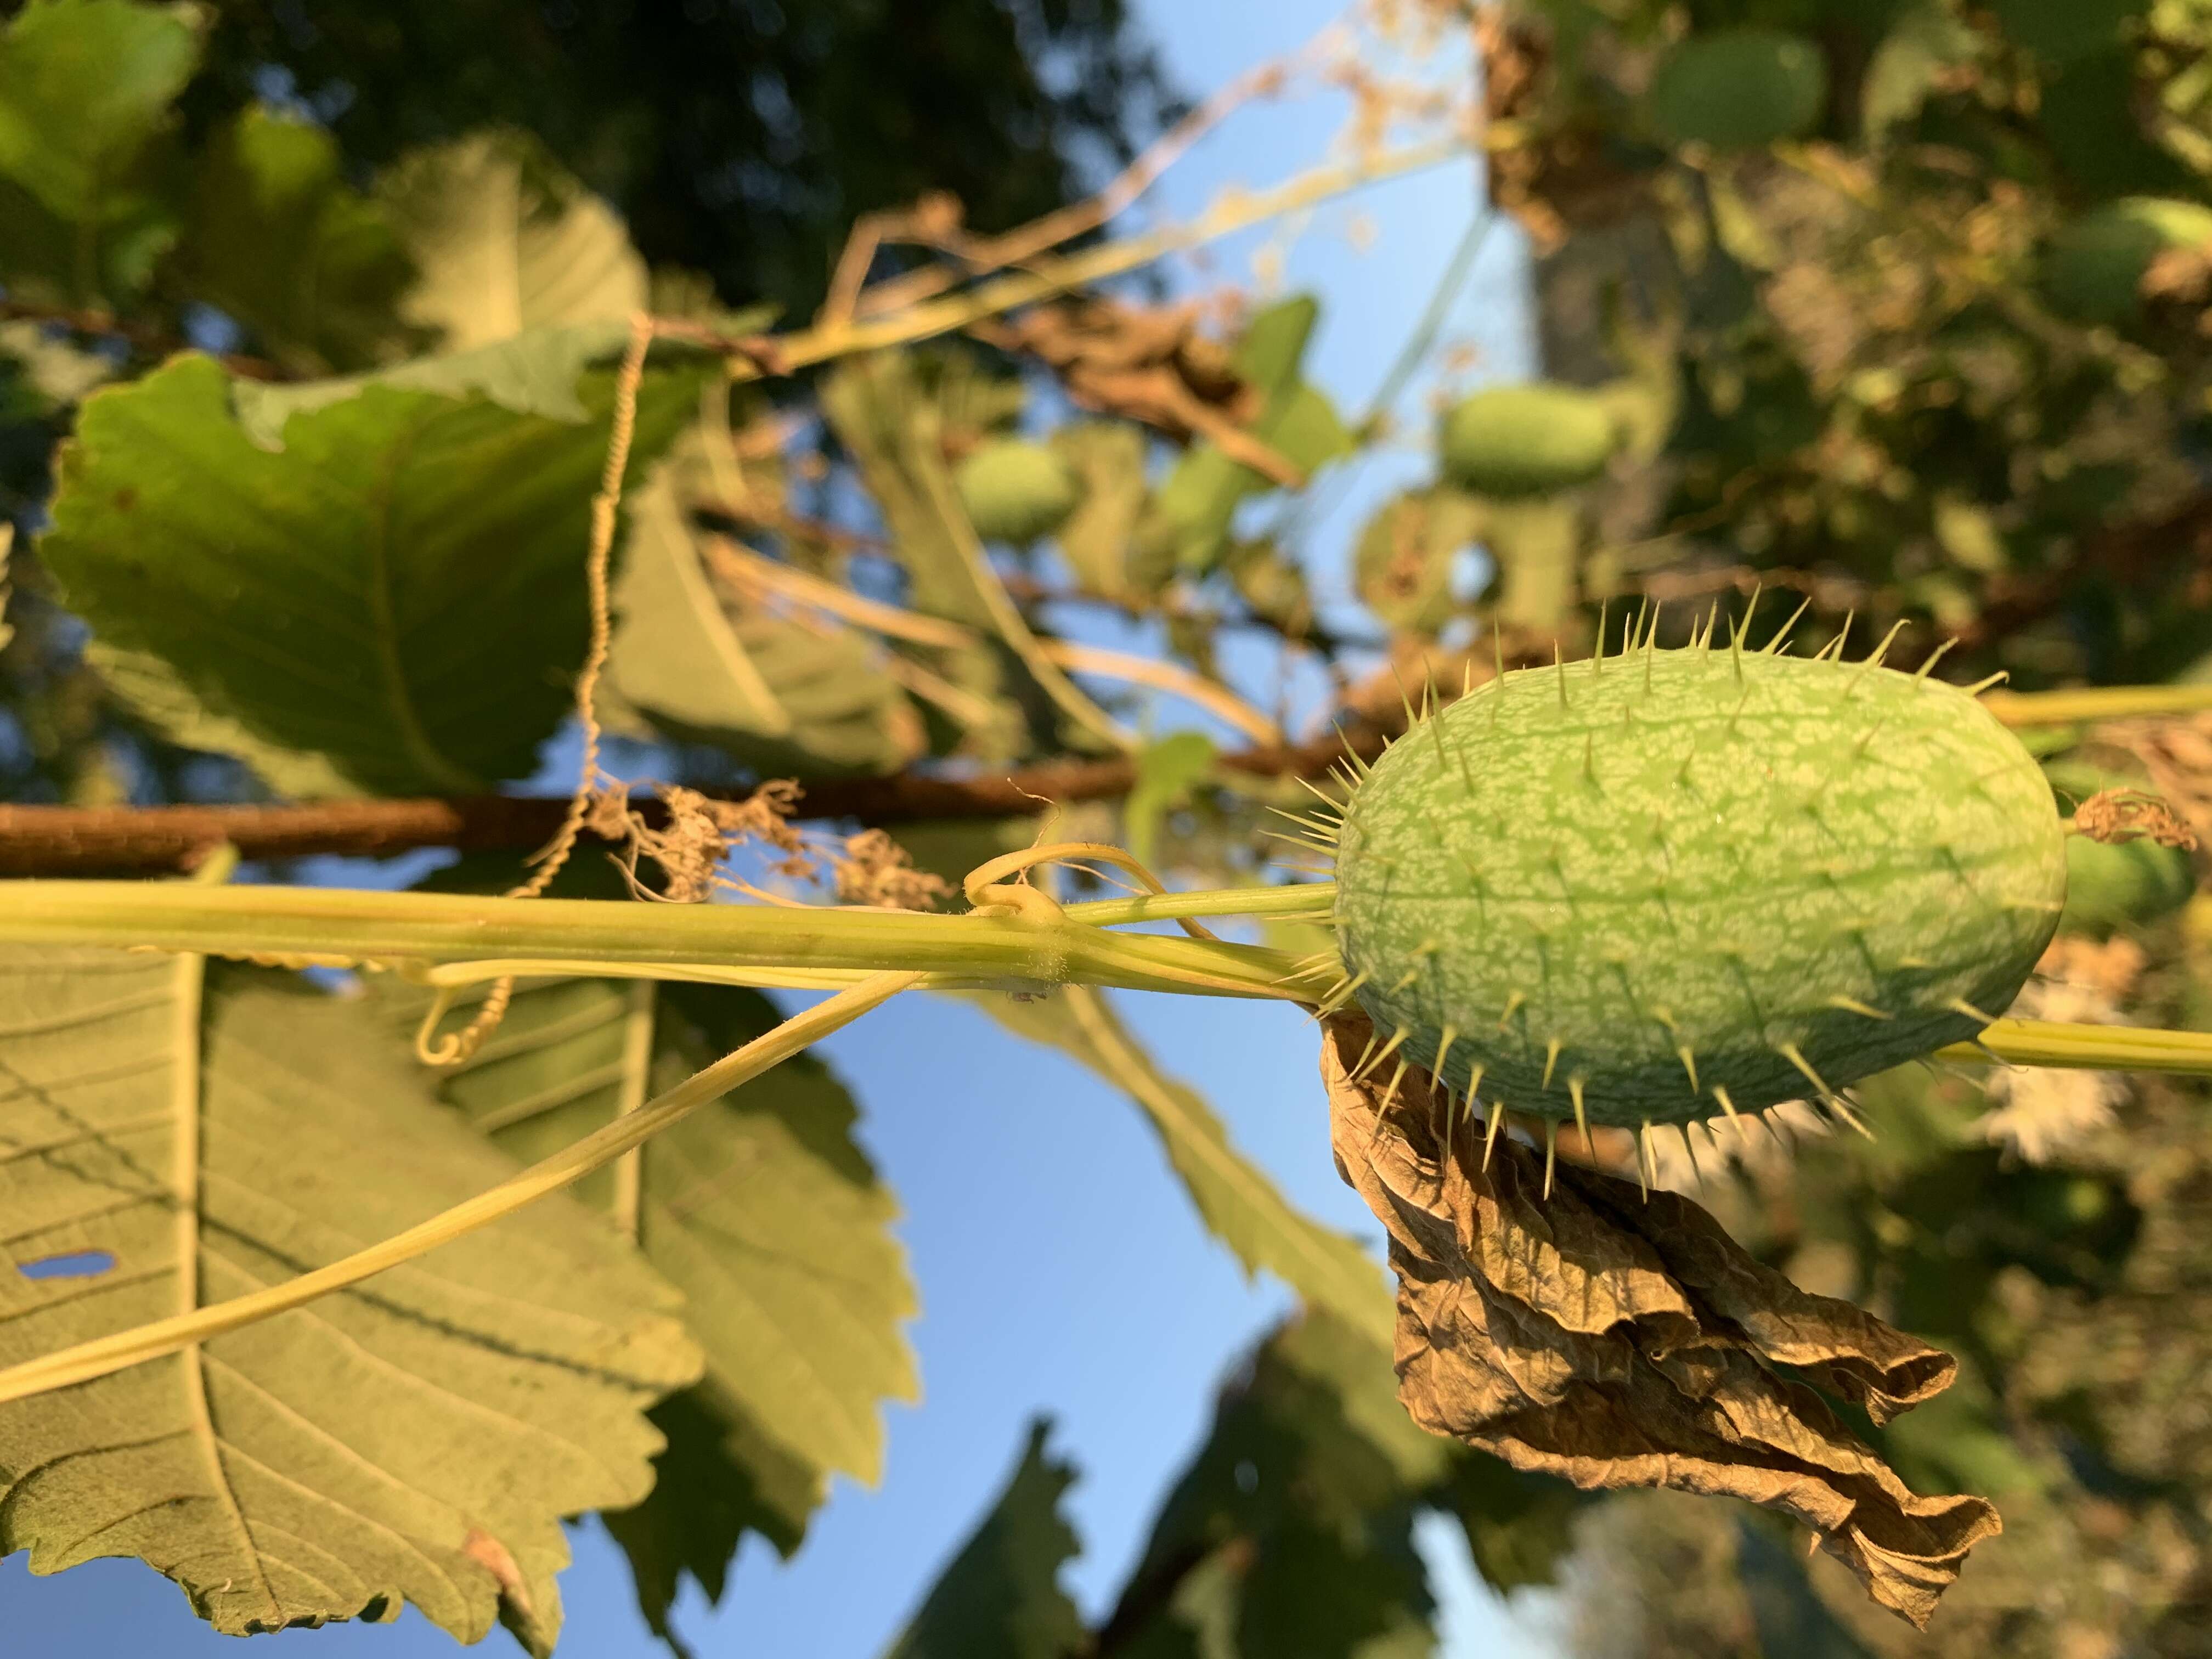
(1615, 875)
(1511, 441)
(1015, 491)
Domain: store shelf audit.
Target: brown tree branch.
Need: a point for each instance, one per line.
(66, 841)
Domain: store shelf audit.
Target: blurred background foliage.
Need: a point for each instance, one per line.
(1902, 307)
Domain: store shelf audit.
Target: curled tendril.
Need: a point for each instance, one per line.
(984, 887)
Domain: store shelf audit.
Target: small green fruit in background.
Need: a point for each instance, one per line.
(1015, 491)
(2114, 886)
(1659, 886)
(1738, 90)
(1520, 440)
(2094, 267)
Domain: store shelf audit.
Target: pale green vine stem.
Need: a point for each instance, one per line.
(342, 925)
(103, 1355)
(2096, 703)
(816, 947)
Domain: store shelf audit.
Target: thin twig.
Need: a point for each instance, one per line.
(982, 255)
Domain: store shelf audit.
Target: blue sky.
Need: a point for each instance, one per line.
(1061, 1269)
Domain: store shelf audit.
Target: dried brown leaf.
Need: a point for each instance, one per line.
(1621, 1342)
(1153, 367)
(2121, 815)
(2177, 753)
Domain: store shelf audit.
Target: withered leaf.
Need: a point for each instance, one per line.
(1621, 1342)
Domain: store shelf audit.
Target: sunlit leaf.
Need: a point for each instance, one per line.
(397, 592)
(1167, 771)
(178, 1138)
(761, 1209)
(1108, 457)
(506, 242)
(889, 417)
(776, 689)
(1405, 560)
(1196, 506)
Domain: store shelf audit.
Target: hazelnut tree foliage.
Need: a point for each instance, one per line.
(1900, 309)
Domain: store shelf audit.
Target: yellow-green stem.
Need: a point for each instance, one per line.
(342, 924)
(2095, 702)
(460, 938)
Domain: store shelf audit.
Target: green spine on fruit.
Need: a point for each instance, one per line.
(1659, 886)
(2094, 267)
(1518, 441)
(1015, 491)
(1738, 90)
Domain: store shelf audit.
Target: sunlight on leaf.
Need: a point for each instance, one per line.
(760, 1208)
(396, 594)
(418, 1438)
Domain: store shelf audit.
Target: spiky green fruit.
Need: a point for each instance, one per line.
(1669, 878)
(1738, 90)
(2094, 267)
(1518, 441)
(1016, 491)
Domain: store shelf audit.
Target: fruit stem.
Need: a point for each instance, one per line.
(2094, 1048)
(2095, 702)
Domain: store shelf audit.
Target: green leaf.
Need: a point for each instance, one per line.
(278, 239)
(1236, 1198)
(2060, 31)
(396, 595)
(1402, 568)
(761, 1209)
(1298, 1518)
(85, 88)
(1519, 1528)
(1924, 44)
(999, 1596)
(1108, 457)
(779, 692)
(1167, 771)
(720, 1479)
(417, 1438)
(163, 699)
(535, 374)
(1787, 1613)
(884, 416)
(1537, 548)
(1195, 508)
(507, 242)
(888, 416)
(1274, 345)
